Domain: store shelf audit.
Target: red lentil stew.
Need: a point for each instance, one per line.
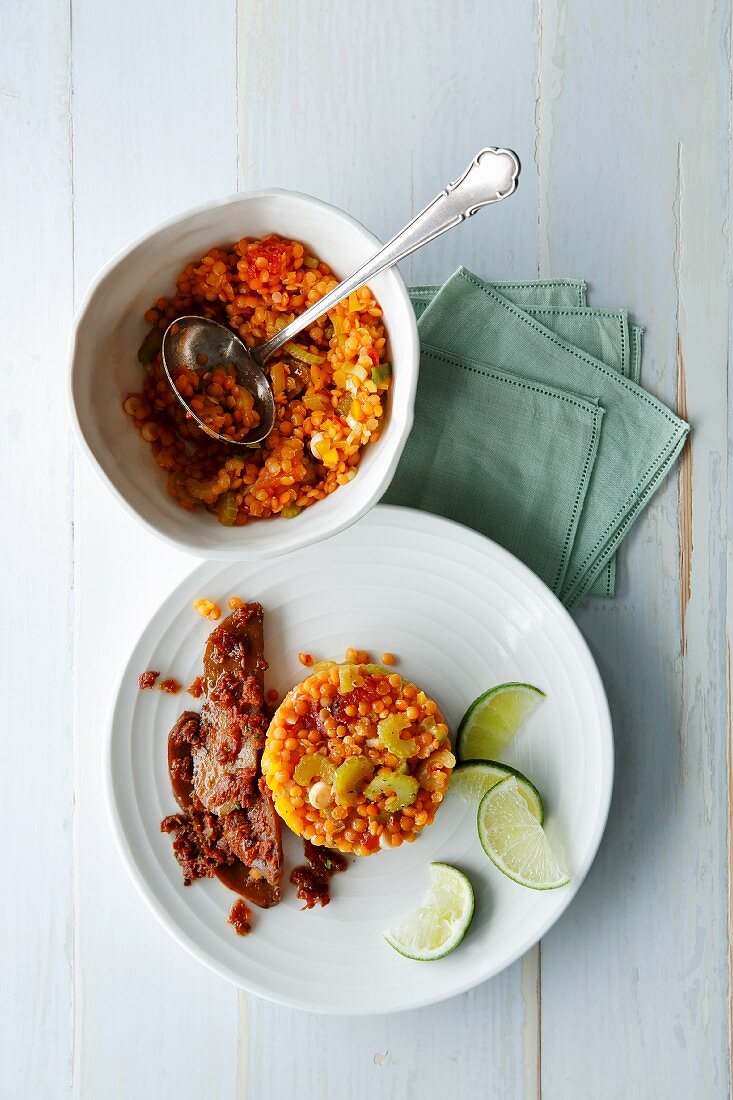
(357, 759)
(329, 384)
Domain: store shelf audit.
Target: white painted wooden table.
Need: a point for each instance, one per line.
(115, 116)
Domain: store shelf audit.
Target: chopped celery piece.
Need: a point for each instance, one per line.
(310, 261)
(290, 511)
(389, 730)
(381, 374)
(150, 346)
(429, 723)
(322, 666)
(316, 764)
(404, 790)
(299, 352)
(350, 777)
(226, 509)
(348, 675)
(376, 670)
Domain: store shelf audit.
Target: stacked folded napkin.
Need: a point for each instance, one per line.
(531, 427)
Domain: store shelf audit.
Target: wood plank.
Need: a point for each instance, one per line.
(633, 167)
(36, 553)
(450, 1049)
(154, 132)
(405, 98)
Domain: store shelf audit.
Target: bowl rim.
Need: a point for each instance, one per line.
(223, 552)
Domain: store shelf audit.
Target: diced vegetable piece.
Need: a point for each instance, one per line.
(350, 778)
(404, 790)
(338, 329)
(316, 764)
(315, 402)
(299, 352)
(389, 730)
(310, 261)
(150, 346)
(278, 377)
(376, 670)
(381, 374)
(348, 675)
(290, 511)
(430, 774)
(353, 302)
(440, 731)
(289, 816)
(322, 666)
(226, 509)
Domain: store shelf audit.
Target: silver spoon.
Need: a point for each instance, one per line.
(190, 342)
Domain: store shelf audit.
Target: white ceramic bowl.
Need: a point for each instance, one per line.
(109, 328)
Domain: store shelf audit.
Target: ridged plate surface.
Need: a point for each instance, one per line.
(461, 614)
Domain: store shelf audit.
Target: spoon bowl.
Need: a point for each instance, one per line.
(190, 341)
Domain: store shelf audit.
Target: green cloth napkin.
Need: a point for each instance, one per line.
(528, 438)
(559, 304)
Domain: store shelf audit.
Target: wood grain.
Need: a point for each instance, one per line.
(633, 182)
(149, 1021)
(36, 570)
(116, 116)
(399, 116)
(684, 492)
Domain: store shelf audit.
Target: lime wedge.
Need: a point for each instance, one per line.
(439, 925)
(491, 721)
(473, 778)
(513, 838)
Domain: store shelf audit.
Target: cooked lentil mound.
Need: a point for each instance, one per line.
(329, 384)
(357, 758)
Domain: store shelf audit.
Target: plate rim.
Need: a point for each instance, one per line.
(404, 517)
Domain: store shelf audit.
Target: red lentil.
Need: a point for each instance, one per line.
(207, 610)
(329, 384)
(326, 714)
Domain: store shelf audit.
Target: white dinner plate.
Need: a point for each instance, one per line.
(461, 614)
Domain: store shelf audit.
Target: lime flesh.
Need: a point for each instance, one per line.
(514, 840)
(441, 922)
(473, 778)
(492, 720)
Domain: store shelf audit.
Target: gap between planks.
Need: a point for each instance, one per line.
(242, 1045)
(729, 845)
(684, 483)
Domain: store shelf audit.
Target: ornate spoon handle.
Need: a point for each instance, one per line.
(491, 176)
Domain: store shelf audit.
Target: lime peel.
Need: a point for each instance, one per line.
(493, 719)
(514, 840)
(471, 779)
(440, 923)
